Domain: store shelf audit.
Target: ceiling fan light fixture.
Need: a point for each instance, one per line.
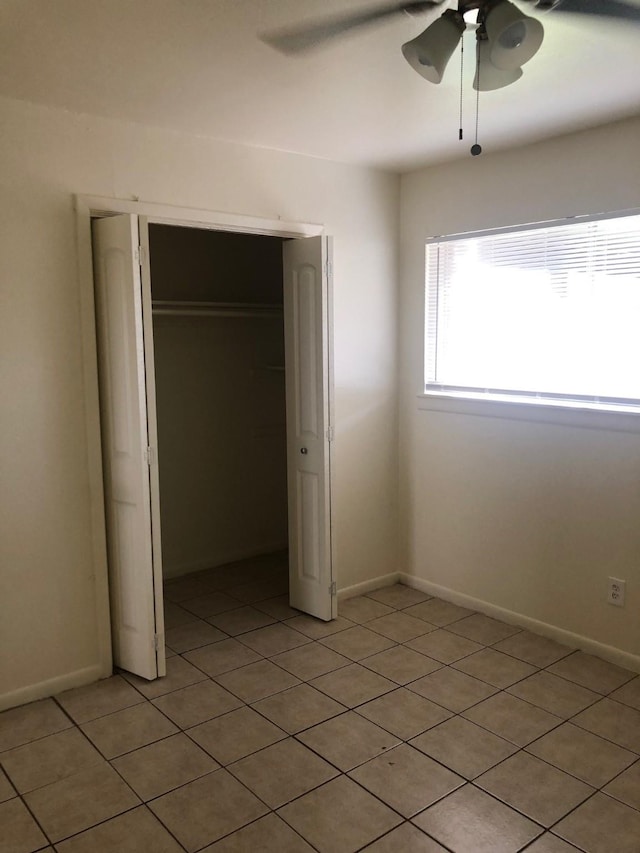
(488, 78)
(513, 36)
(429, 52)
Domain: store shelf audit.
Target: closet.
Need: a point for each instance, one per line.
(201, 336)
(218, 340)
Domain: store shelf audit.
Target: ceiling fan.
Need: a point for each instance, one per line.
(506, 38)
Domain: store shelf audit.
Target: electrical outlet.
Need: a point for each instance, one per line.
(615, 592)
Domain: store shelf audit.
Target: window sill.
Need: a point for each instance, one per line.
(571, 414)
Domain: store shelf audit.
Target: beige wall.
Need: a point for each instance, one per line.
(200, 265)
(221, 427)
(527, 516)
(222, 444)
(49, 566)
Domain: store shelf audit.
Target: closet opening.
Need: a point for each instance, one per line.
(219, 356)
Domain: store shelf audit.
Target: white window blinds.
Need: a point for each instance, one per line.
(547, 311)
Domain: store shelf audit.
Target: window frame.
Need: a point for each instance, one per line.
(602, 412)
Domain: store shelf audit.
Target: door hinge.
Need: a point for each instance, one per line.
(139, 255)
(330, 434)
(328, 269)
(148, 455)
(333, 589)
(156, 642)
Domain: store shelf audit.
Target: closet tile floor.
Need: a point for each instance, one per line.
(407, 724)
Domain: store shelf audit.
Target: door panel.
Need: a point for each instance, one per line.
(124, 424)
(308, 506)
(306, 313)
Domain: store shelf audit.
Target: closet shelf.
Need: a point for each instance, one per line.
(215, 309)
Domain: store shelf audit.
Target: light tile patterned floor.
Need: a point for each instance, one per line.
(408, 724)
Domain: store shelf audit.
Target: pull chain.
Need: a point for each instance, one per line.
(461, 83)
(475, 148)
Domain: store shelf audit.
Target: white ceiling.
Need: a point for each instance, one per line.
(198, 66)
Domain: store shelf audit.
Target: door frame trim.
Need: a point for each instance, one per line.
(86, 207)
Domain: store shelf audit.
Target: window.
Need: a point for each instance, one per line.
(549, 311)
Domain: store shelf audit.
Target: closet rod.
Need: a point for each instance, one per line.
(215, 309)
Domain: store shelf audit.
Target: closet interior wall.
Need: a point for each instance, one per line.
(220, 395)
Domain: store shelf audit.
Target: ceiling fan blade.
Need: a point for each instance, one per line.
(603, 8)
(297, 39)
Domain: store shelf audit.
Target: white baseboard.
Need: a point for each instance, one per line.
(368, 585)
(52, 686)
(177, 571)
(560, 635)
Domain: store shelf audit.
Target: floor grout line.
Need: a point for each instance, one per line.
(346, 709)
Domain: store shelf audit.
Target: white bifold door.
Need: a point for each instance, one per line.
(125, 348)
(129, 435)
(309, 432)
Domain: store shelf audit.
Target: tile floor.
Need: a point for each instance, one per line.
(408, 724)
